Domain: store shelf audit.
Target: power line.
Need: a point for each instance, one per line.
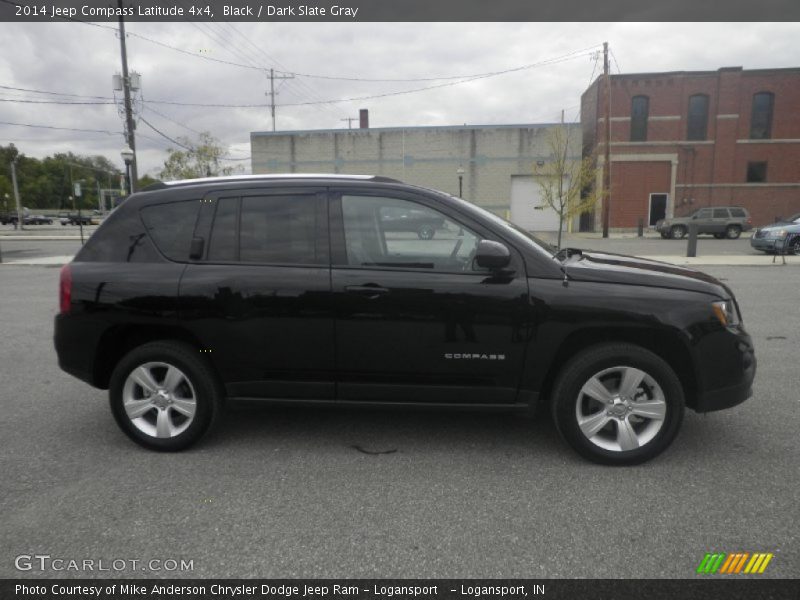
(61, 128)
(61, 102)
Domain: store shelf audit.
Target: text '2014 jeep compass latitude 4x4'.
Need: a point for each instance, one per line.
(301, 289)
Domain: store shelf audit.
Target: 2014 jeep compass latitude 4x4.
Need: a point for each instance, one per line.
(298, 289)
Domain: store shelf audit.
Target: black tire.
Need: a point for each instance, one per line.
(677, 232)
(426, 232)
(567, 398)
(207, 391)
(732, 232)
(793, 247)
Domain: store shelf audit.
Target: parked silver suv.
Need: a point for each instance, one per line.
(721, 221)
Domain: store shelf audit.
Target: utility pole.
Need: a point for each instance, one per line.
(20, 218)
(349, 121)
(607, 151)
(271, 93)
(126, 86)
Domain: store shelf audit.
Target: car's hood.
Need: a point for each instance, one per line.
(779, 226)
(632, 270)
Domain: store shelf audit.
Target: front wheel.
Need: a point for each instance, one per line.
(164, 396)
(794, 246)
(618, 404)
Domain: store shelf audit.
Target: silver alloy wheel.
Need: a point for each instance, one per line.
(620, 409)
(159, 399)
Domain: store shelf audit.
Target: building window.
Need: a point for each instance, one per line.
(698, 117)
(756, 172)
(761, 119)
(639, 112)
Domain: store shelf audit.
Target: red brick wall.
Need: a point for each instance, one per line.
(631, 186)
(720, 163)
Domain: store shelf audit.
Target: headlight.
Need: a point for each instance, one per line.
(725, 311)
(781, 233)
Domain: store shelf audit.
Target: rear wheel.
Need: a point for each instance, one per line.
(677, 232)
(618, 404)
(732, 232)
(164, 396)
(794, 246)
(425, 232)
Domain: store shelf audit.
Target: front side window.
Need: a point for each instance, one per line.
(391, 232)
(267, 229)
(698, 117)
(640, 108)
(703, 213)
(761, 118)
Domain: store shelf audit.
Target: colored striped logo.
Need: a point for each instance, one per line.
(737, 562)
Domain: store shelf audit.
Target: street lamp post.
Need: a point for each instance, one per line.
(460, 172)
(127, 156)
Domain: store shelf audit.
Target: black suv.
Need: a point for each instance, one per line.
(291, 289)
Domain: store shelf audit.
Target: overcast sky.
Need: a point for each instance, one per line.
(80, 59)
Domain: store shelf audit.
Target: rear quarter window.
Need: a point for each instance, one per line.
(121, 238)
(171, 225)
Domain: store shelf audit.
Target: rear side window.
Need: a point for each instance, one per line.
(121, 238)
(171, 226)
(738, 212)
(273, 229)
(720, 213)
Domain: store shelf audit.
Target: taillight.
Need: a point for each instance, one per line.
(65, 289)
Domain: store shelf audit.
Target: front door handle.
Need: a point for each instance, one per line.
(370, 290)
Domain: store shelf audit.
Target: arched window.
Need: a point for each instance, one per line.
(640, 106)
(761, 118)
(697, 123)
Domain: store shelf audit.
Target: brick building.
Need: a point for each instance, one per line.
(684, 140)
(495, 163)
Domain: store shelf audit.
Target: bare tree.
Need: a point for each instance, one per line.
(567, 184)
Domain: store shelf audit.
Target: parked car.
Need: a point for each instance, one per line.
(37, 220)
(287, 289)
(74, 219)
(781, 237)
(720, 221)
(422, 222)
(8, 218)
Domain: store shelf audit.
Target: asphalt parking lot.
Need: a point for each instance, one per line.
(286, 493)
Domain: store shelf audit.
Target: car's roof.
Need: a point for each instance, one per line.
(267, 177)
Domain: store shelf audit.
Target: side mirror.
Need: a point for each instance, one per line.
(492, 255)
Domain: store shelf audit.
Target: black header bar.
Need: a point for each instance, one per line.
(402, 10)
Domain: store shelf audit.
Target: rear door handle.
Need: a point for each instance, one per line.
(370, 290)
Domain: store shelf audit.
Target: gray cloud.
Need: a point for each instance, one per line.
(80, 59)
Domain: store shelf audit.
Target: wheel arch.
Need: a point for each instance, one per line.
(666, 344)
(118, 341)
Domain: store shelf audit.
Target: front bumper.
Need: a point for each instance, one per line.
(739, 373)
(767, 244)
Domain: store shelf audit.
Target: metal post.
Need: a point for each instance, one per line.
(640, 228)
(607, 150)
(691, 246)
(126, 86)
(20, 222)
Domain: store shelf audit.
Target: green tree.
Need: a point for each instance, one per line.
(145, 180)
(196, 159)
(566, 183)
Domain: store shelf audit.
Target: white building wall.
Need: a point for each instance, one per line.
(425, 156)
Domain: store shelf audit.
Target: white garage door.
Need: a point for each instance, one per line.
(525, 206)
